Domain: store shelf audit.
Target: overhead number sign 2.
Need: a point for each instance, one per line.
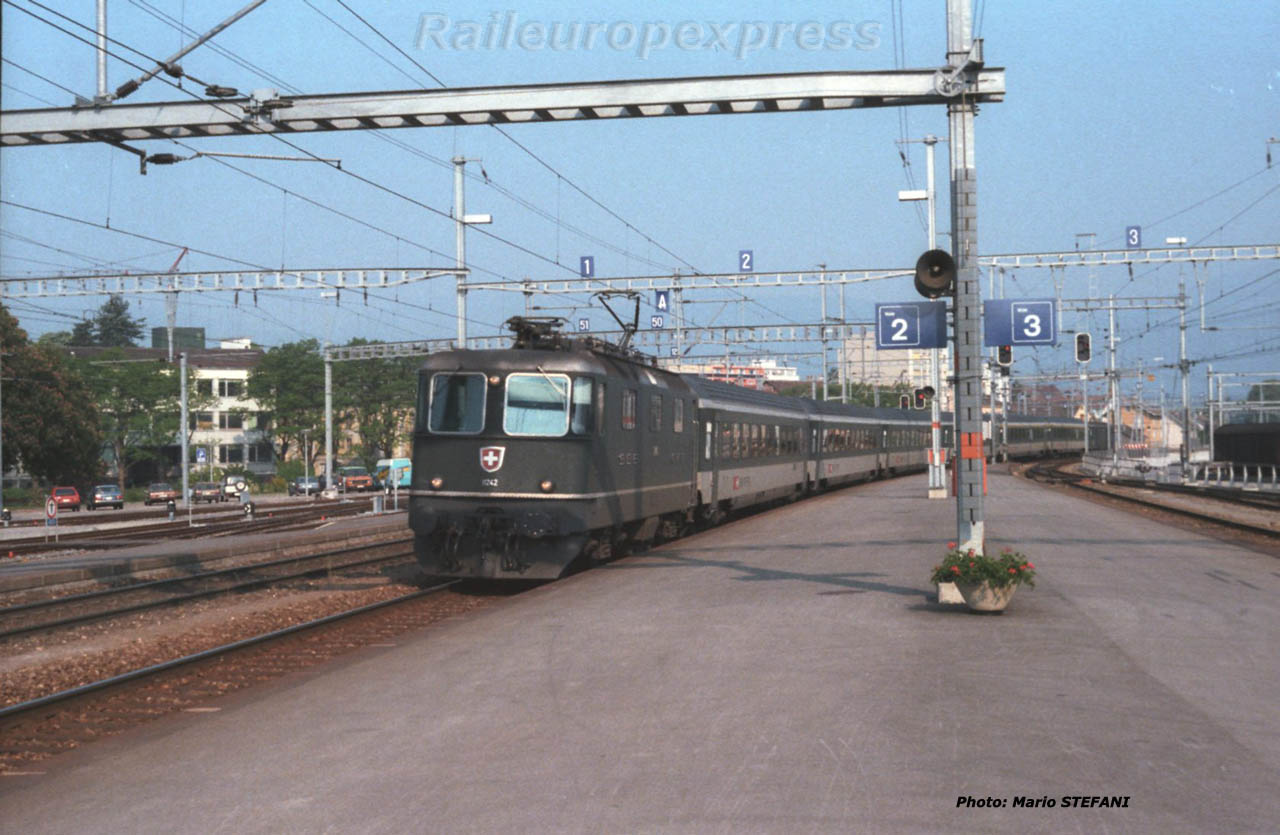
(1019, 322)
(746, 260)
(911, 325)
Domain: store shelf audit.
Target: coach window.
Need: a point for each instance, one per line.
(456, 404)
(677, 417)
(707, 432)
(629, 409)
(655, 412)
(580, 421)
(536, 404)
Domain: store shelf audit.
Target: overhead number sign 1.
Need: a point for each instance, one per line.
(911, 325)
(1019, 322)
(587, 266)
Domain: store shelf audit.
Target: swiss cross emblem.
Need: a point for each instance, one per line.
(491, 458)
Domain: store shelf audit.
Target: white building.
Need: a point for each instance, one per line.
(232, 429)
(909, 366)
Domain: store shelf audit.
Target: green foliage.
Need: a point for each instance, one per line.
(49, 414)
(110, 327)
(137, 405)
(1010, 568)
(376, 398)
(288, 383)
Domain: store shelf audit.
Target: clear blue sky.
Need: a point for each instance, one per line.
(1144, 113)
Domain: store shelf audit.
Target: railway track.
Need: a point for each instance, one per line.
(266, 518)
(1149, 496)
(38, 728)
(73, 610)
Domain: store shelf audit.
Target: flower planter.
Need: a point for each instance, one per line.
(983, 597)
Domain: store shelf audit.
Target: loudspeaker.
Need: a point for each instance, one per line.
(935, 274)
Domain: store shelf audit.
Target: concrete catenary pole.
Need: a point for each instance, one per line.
(970, 531)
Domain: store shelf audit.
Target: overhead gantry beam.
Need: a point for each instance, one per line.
(265, 112)
(206, 282)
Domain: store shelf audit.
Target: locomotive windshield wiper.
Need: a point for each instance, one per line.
(552, 381)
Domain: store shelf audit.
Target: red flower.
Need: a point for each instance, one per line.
(955, 569)
(971, 561)
(971, 552)
(1027, 565)
(951, 545)
(1013, 571)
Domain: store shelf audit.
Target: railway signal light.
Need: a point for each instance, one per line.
(904, 402)
(921, 398)
(1004, 356)
(1083, 348)
(935, 274)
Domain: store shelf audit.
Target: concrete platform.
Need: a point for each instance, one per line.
(785, 673)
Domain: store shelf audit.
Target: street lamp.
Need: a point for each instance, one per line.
(937, 485)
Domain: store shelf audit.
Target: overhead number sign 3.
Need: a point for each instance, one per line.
(1019, 322)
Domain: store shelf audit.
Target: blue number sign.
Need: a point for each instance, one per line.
(587, 266)
(655, 321)
(1019, 322)
(584, 324)
(1133, 237)
(662, 300)
(746, 260)
(911, 325)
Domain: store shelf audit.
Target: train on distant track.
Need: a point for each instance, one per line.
(529, 459)
(1248, 443)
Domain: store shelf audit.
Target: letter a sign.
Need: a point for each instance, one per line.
(662, 300)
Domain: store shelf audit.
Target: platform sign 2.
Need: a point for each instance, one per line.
(1133, 237)
(1019, 322)
(587, 266)
(911, 325)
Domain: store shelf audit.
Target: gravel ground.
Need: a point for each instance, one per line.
(39, 664)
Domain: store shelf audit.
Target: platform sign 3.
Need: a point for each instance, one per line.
(584, 324)
(911, 325)
(1019, 322)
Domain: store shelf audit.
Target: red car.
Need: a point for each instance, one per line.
(66, 497)
(159, 493)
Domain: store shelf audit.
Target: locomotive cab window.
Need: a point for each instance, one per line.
(536, 404)
(581, 421)
(456, 404)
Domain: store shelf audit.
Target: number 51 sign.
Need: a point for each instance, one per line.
(1019, 322)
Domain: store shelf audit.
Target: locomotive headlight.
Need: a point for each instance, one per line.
(437, 483)
(547, 485)
(494, 380)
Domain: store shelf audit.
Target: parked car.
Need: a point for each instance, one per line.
(66, 497)
(160, 492)
(105, 495)
(304, 486)
(234, 485)
(207, 491)
(355, 478)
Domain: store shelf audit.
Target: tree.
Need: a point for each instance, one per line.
(110, 327)
(289, 385)
(376, 398)
(50, 421)
(138, 407)
(55, 339)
